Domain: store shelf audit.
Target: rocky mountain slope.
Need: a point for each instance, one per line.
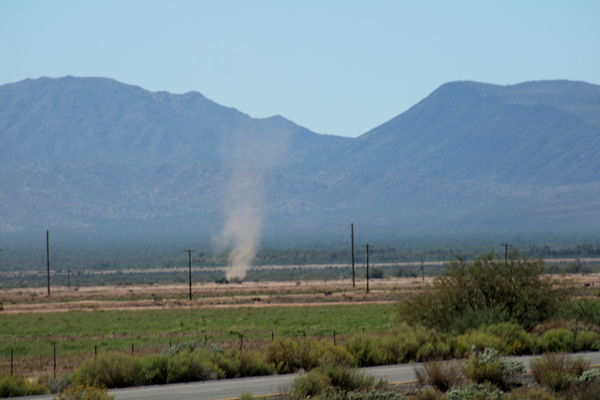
(81, 153)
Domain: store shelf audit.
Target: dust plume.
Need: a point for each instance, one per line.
(242, 232)
(251, 153)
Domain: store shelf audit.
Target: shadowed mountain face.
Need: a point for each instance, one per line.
(471, 157)
(101, 120)
(544, 133)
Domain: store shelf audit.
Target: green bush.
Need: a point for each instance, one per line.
(475, 392)
(190, 367)
(413, 343)
(80, 392)
(557, 371)
(111, 370)
(249, 363)
(18, 386)
(58, 384)
(472, 294)
(477, 340)
(515, 341)
(365, 349)
(587, 310)
(289, 355)
(335, 382)
(530, 393)
(442, 375)
(154, 370)
(488, 366)
(310, 384)
(557, 340)
(586, 340)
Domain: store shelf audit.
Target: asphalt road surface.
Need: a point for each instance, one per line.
(264, 385)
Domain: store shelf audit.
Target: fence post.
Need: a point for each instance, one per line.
(334, 338)
(95, 351)
(54, 361)
(11, 362)
(132, 349)
(272, 337)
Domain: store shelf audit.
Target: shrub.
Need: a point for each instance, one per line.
(58, 384)
(348, 379)
(413, 343)
(81, 392)
(557, 340)
(477, 340)
(249, 396)
(190, 367)
(515, 341)
(557, 371)
(583, 391)
(249, 363)
(289, 355)
(589, 375)
(376, 273)
(586, 340)
(334, 382)
(490, 367)
(309, 384)
(404, 272)
(587, 310)
(154, 370)
(111, 370)
(429, 394)
(530, 393)
(443, 375)
(468, 295)
(365, 350)
(17, 386)
(284, 354)
(475, 392)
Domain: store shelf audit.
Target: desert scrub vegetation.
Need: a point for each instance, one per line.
(485, 291)
(79, 392)
(19, 386)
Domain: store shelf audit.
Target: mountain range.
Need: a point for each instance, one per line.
(93, 155)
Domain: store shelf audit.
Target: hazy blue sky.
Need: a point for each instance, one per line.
(336, 67)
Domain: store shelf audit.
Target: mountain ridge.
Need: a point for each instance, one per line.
(84, 152)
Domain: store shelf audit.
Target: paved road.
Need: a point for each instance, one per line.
(232, 388)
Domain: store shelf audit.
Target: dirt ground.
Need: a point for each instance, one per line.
(254, 294)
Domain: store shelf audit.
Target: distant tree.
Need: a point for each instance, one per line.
(376, 273)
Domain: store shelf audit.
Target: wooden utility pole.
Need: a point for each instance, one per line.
(422, 268)
(190, 256)
(69, 278)
(505, 254)
(352, 234)
(48, 258)
(367, 268)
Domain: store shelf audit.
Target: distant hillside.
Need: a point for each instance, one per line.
(532, 133)
(93, 154)
(104, 121)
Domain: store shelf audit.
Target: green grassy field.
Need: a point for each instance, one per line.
(76, 332)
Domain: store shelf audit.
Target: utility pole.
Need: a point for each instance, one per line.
(505, 254)
(352, 230)
(367, 268)
(422, 268)
(190, 255)
(48, 258)
(69, 278)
